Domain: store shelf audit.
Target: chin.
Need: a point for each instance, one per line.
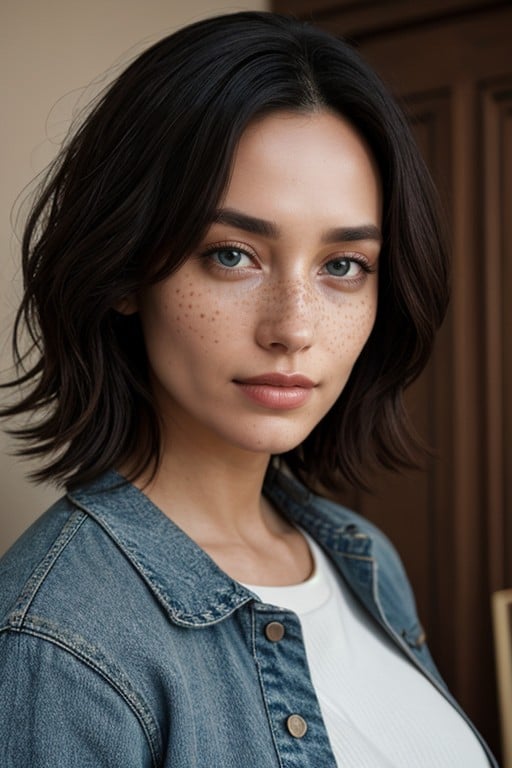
(273, 445)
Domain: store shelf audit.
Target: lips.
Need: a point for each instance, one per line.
(277, 391)
(279, 380)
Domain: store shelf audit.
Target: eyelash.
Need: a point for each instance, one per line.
(228, 246)
(354, 258)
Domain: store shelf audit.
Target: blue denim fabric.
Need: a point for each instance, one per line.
(123, 644)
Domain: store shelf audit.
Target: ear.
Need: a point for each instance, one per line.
(127, 305)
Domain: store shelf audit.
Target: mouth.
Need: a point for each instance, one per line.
(277, 391)
(279, 380)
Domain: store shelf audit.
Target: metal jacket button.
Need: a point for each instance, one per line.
(297, 726)
(274, 631)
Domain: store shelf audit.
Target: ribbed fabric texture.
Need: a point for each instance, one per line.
(379, 710)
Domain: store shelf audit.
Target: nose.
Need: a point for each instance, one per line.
(287, 319)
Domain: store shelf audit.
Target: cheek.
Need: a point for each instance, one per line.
(347, 329)
(193, 315)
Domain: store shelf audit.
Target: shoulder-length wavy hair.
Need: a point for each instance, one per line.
(131, 195)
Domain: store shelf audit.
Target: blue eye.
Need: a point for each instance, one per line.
(339, 267)
(228, 257)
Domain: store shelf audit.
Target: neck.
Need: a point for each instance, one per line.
(201, 486)
(214, 494)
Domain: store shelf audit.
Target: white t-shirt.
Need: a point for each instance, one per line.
(379, 710)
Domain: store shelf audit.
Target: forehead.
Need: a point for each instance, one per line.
(316, 161)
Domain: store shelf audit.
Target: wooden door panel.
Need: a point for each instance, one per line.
(362, 18)
(496, 191)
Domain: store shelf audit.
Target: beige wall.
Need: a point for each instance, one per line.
(52, 52)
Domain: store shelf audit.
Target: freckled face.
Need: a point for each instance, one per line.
(252, 340)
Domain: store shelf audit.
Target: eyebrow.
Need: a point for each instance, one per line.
(269, 229)
(248, 223)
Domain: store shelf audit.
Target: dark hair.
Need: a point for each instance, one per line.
(133, 192)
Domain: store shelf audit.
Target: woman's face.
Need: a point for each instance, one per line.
(252, 340)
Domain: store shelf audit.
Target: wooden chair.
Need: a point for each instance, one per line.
(502, 621)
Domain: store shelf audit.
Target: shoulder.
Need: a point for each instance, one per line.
(64, 579)
(65, 620)
(34, 552)
(69, 574)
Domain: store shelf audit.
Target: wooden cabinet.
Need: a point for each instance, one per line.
(451, 64)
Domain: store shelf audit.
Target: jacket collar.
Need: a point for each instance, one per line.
(189, 585)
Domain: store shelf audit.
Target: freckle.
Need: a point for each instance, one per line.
(190, 306)
(202, 314)
(191, 293)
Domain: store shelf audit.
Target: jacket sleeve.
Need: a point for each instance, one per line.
(55, 710)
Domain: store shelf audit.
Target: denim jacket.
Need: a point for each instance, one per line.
(122, 644)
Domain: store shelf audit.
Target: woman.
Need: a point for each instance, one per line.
(231, 274)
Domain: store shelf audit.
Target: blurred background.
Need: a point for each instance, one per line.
(450, 63)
